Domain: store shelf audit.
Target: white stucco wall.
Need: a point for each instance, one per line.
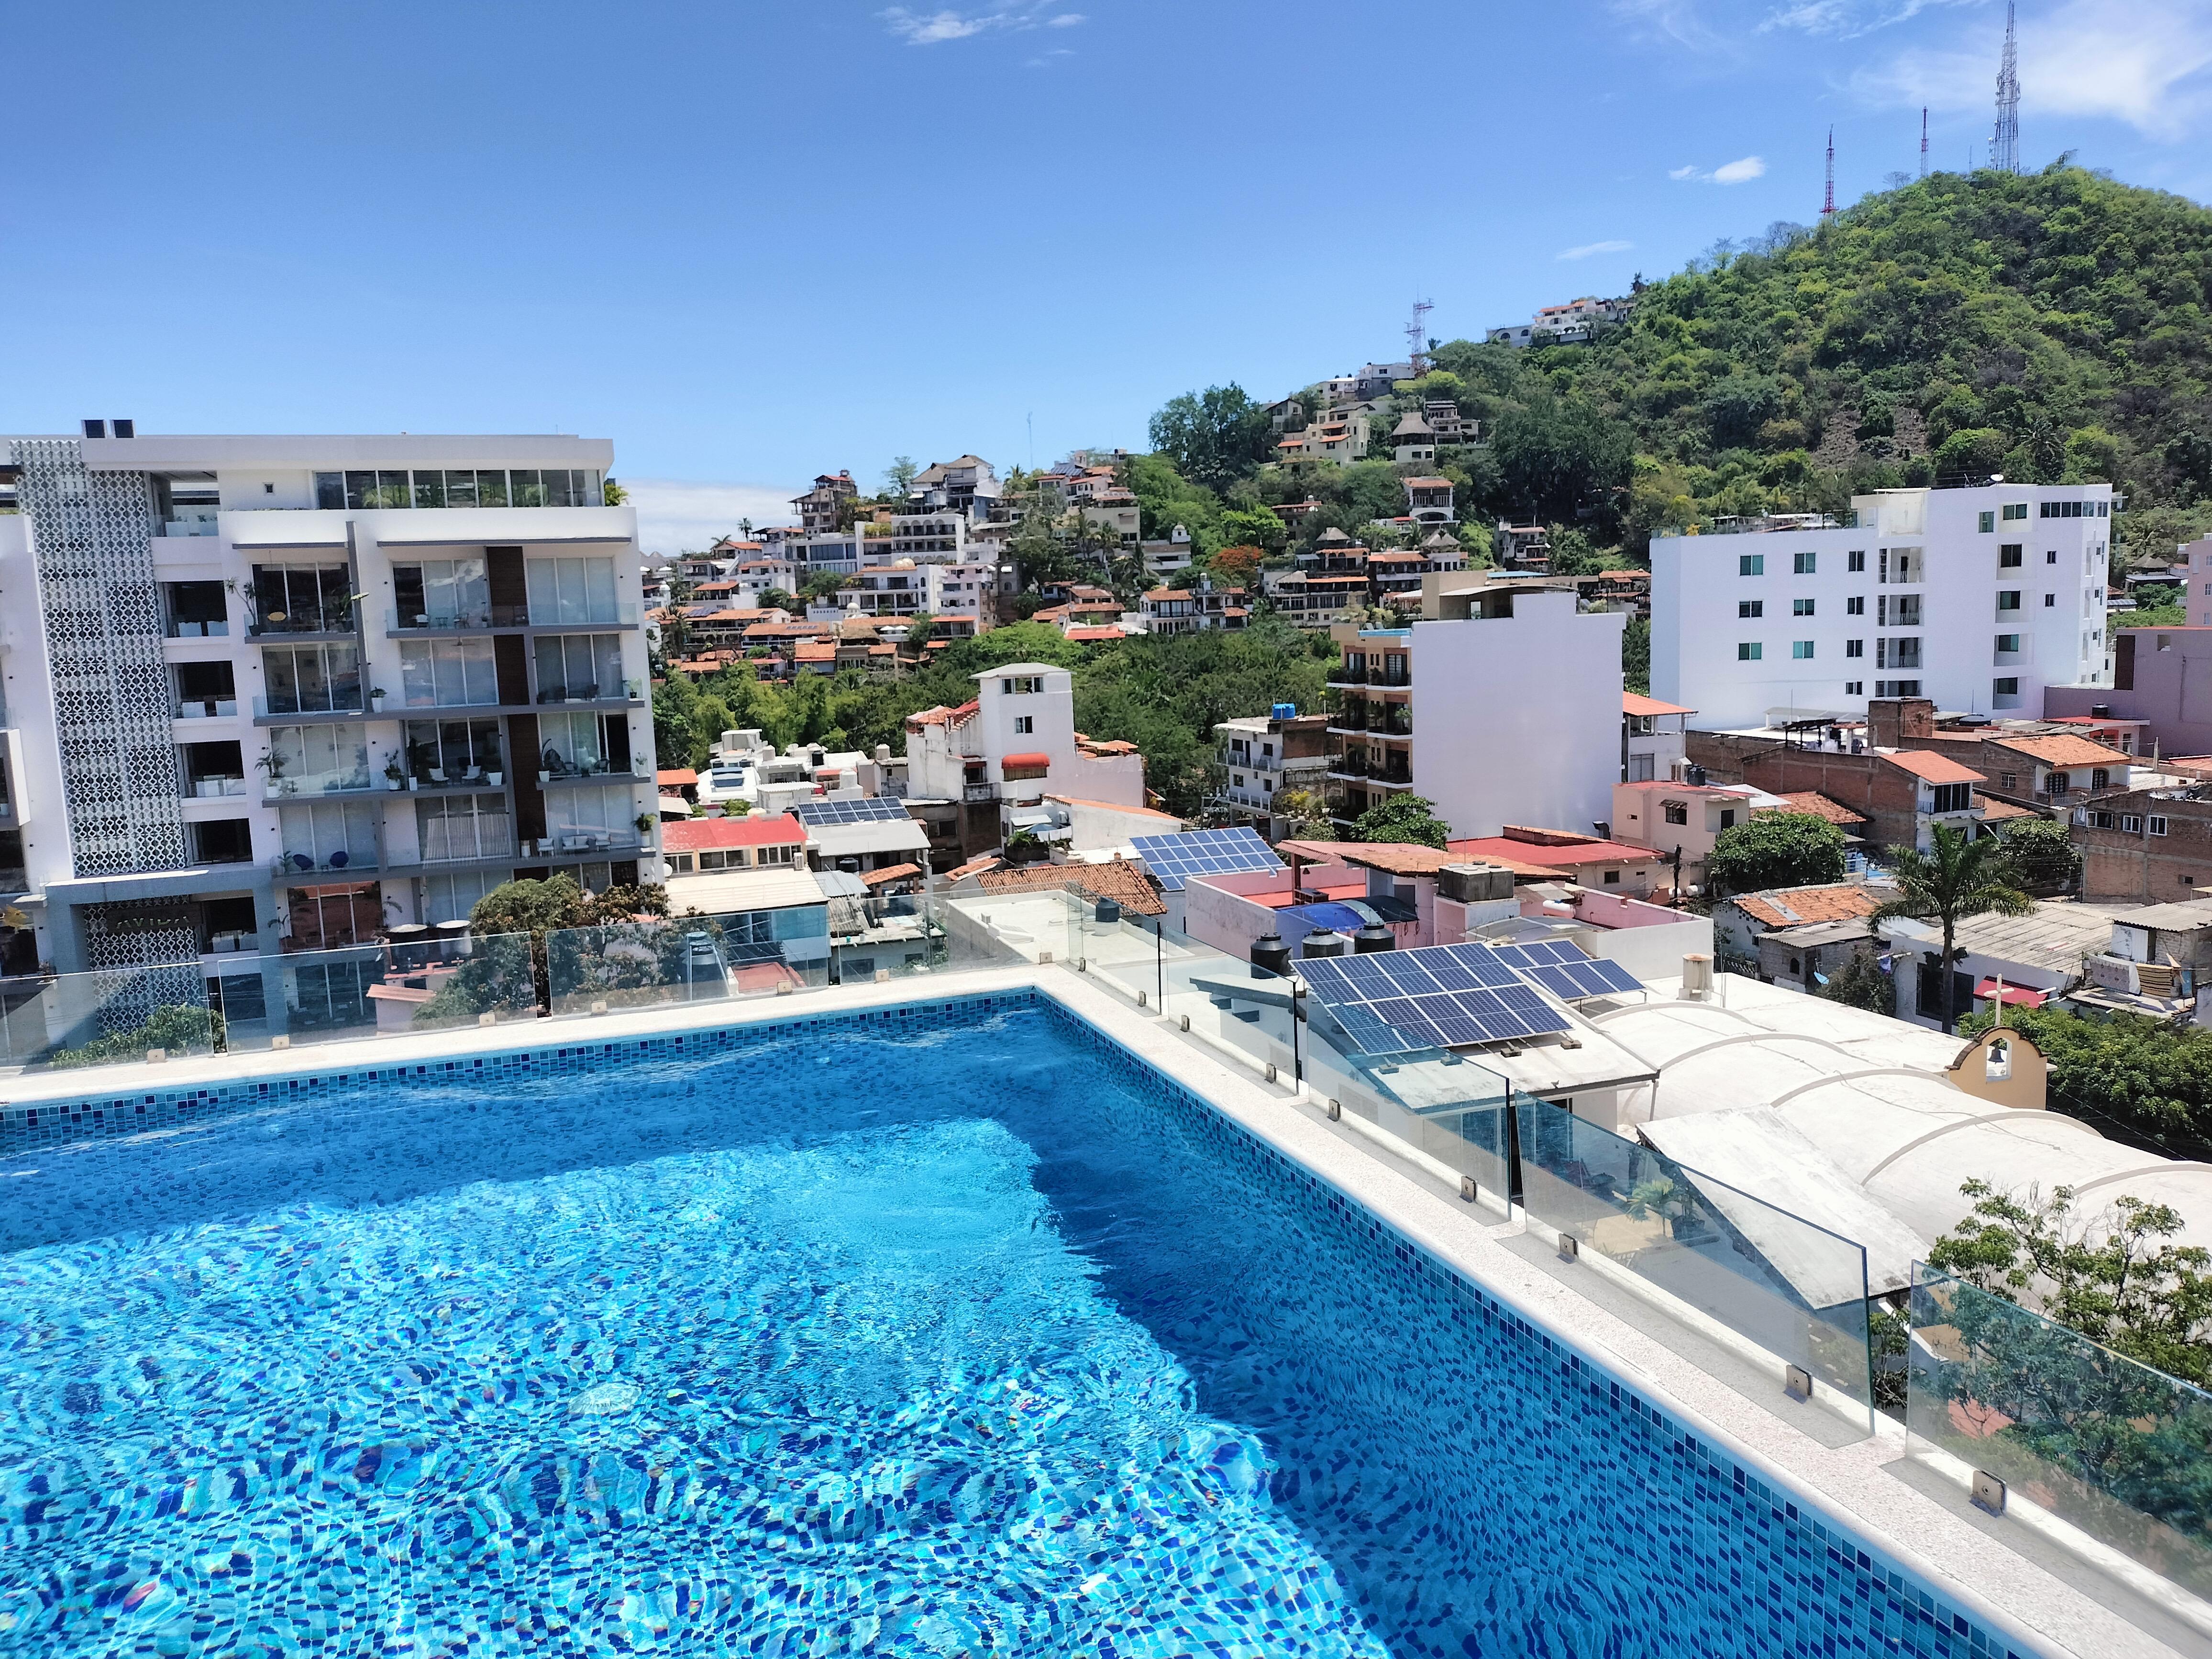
(1516, 720)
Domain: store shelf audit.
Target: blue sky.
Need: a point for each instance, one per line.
(750, 242)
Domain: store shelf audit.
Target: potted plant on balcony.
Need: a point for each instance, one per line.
(376, 699)
(395, 774)
(645, 822)
(272, 763)
(494, 774)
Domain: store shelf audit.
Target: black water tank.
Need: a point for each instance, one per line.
(1268, 951)
(1373, 937)
(1322, 942)
(1108, 913)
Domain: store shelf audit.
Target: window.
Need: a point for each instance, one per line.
(2089, 820)
(1750, 652)
(1854, 688)
(2050, 557)
(571, 591)
(2099, 778)
(442, 593)
(316, 760)
(446, 674)
(1897, 688)
(1854, 605)
(2016, 510)
(1855, 562)
(579, 667)
(2132, 823)
(1986, 523)
(1805, 562)
(222, 840)
(2049, 600)
(552, 486)
(314, 679)
(1676, 811)
(1727, 818)
(329, 835)
(451, 751)
(465, 827)
(1800, 607)
(1901, 653)
(1854, 647)
(2010, 600)
(1022, 685)
(2008, 644)
(1751, 564)
(2157, 824)
(1612, 878)
(2007, 687)
(580, 746)
(2008, 557)
(1801, 650)
(1747, 609)
(1024, 725)
(1951, 797)
(1897, 611)
(1640, 767)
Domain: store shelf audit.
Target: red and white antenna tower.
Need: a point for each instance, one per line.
(1417, 339)
(1924, 141)
(1828, 203)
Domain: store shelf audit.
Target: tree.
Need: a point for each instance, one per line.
(2139, 1079)
(1860, 983)
(775, 598)
(1255, 526)
(898, 477)
(1775, 849)
(2116, 1277)
(822, 585)
(1636, 656)
(536, 909)
(1214, 437)
(1404, 818)
(1958, 879)
(1305, 815)
(2041, 856)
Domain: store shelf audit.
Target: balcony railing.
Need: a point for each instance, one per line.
(308, 784)
(328, 619)
(198, 630)
(479, 617)
(1389, 676)
(208, 788)
(1352, 717)
(979, 791)
(627, 691)
(592, 771)
(491, 837)
(348, 860)
(282, 707)
(206, 709)
(588, 843)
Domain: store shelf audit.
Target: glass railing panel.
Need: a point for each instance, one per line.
(206, 709)
(1449, 1108)
(2117, 1449)
(108, 1017)
(1243, 1010)
(436, 981)
(342, 701)
(290, 785)
(1789, 1287)
(466, 617)
(600, 970)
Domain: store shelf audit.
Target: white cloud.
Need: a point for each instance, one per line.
(1589, 248)
(1846, 20)
(932, 29)
(1741, 172)
(1045, 60)
(675, 515)
(2142, 61)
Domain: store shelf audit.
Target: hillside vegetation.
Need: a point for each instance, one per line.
(2053, 327)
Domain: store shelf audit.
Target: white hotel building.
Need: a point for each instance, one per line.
(1977, 598)
(277, 693)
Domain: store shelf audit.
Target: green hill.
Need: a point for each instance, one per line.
(2052, 327)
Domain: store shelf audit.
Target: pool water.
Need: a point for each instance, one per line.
(956, 1334)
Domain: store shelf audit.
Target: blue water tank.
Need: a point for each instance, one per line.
(1283, 711)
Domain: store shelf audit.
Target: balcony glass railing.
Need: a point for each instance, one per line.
(206, 709)
(214, 788)
(592, 691)
(351, 860)
(334, 702)
(591, 768)
(326, 619)
(202, 629)
(475, 617)
(288, 786)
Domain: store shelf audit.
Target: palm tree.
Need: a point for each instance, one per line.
(1958, 878)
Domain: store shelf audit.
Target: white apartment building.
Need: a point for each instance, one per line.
(1977, 598)
(1001, 751)
(905, 588)
(280, 694)
(1501, 706)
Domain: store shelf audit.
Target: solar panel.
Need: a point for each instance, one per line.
(877, 809)
(1173, 860)
(1441, 996)
(1565, 972)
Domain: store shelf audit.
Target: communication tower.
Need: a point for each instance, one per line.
(1417, 339)
(1828, 202)
(2004, 147)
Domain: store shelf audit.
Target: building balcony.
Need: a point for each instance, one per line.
(591, 772)
(206, 709)
(331, 623)
(213, 788)
(974, 793)
(287, 867)
(487, 618)
(202, 629)
(629, 691)
(313, 785)
(341, 705)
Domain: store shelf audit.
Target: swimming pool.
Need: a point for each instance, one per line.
(945, 1329)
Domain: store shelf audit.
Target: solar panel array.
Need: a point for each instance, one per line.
(1565, 972)
(1445, 996)
(877, 809)
(1173, 860)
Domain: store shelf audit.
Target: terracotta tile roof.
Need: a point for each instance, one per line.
(894, 873)
(1930, 767)
(1999, 811)
(1110, 806)
(974, 866)
(816, 651)
(712, 835)
(2062, 750)
(1126, 883)
(1394, 858)
(1816, 804)
(1789, 907)
(674, 775)
(1633, 703)
(1092, 635)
